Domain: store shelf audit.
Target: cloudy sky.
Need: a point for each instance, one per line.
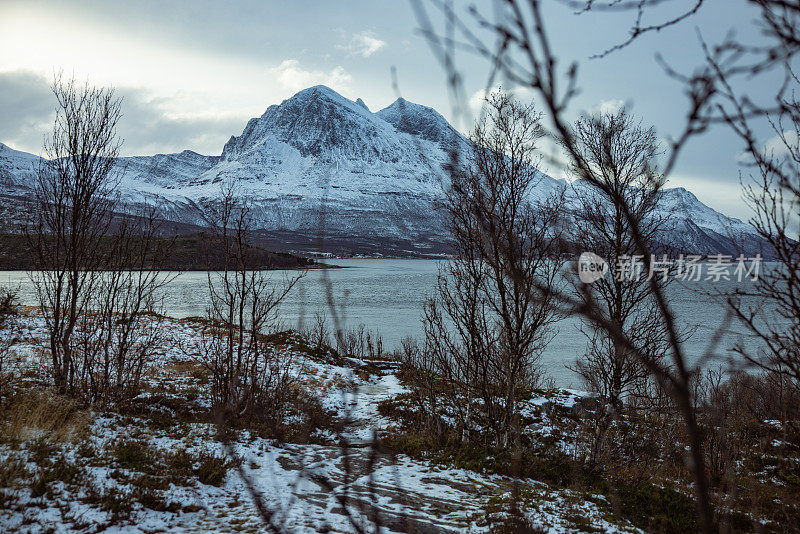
(192, 73)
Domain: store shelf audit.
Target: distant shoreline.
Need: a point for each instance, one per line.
(185, 253)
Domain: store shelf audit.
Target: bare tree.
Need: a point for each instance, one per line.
(719, 97)
(244, 301)
(74, 211)
(120, 333)
(97, 271)
(318, 332)
(621, 154)
(720, 93)
(361, 342)
(494, 311)
(8, 307)
(771, 308)
(519, 50)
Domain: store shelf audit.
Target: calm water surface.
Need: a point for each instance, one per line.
(387, 295)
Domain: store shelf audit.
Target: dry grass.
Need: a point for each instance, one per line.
(32, 414)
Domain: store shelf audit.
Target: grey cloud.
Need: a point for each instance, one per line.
(27, 109)
(148, 128)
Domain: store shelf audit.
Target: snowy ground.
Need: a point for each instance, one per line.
(128, 471)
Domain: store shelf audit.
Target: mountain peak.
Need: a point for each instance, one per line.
(406, 106)
(682, 192)
(316, 90)
(420, 120)
(9, 152)
(315, 121)
(324, 93)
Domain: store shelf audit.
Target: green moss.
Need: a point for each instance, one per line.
(655, 508)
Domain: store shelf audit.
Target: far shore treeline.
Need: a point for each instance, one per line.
(184, 253)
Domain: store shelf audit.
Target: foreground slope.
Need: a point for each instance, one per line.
(156, 463)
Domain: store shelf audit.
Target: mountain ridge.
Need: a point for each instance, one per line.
(319, 163)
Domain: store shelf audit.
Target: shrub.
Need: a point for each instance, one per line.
(162, 468)
(59, 470)
(154, 500)
(9, 303)
(11, 470)
(656, 509)
(212, 469)
(118, 503)
(134, 455)
(8, 307)
(551, 465)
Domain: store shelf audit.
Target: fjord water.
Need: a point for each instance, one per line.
(387, 295)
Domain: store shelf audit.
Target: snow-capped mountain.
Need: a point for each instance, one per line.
(690, 225)
(18, 170)
(319, 163)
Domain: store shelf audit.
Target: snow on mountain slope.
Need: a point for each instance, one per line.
(167, 171)
(319, 156)
(689, 225)
(681, 201)
(320, 148)
(18, 170)
(318, 141)
(421, 121)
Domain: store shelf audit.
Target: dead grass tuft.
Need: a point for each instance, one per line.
(32, 414)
